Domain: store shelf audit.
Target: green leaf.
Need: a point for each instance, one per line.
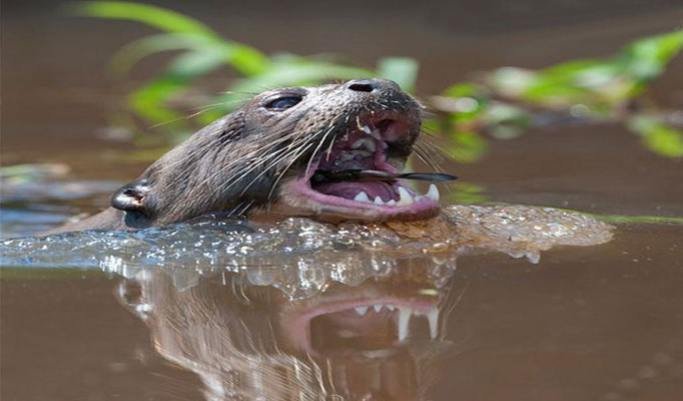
(243, 59)
(511, 81)
(194, 64)
(646, 58)
(466, 89)
(466, 147)
(469, 101)
(181, 33)
(135, 51)
(150, 101)
(658, 137)
(157, 17)
(402, 70)
(602, 85)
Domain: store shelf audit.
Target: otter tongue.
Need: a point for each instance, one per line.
(349, 189)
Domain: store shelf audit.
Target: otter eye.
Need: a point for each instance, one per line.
(284, 102)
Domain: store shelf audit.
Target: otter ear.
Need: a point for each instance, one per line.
(131, 197)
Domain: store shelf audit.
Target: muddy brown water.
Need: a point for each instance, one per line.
(588, 323)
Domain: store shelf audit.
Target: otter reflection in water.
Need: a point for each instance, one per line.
(373, 330)
(376, 341)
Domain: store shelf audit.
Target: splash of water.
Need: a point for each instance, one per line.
(301, 256)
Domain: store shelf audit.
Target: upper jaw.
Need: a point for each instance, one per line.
(374, 141)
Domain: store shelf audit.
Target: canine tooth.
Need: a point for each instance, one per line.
(361, 197)
(366, 129)
(433, 193)
(391, 307)
(361, 310)
(433, 318)
(378, 201)
(358, 124)
(377, 307)
(391, 202)
(404, 315)
(366, 143)
(406, 197)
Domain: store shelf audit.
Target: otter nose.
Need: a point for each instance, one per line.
(369, 85)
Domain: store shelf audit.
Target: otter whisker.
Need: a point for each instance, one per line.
(329, 149)
(254, 155)
(241, 208)
(429, 141)
(282, 173)
(276, 155)
(251, 167)
(317, 148)
(424, 156)
(426, 148)
(255, 158)
(299, 153)
(265, 170)
(197, 112)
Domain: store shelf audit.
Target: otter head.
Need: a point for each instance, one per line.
(331, 152)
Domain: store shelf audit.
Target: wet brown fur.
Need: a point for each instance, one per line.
(236, 163)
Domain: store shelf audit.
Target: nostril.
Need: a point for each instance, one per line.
(363, 86)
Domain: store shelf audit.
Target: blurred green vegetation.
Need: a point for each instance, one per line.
(501, 105)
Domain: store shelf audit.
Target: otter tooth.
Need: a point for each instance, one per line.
(361, 197)
(361, 310)
(433, 193)
(405, 197)
(362, 127)
(404, 315)
(433, 318)
(378, 201)
(366, 143)
(377, 307)
(391, 202)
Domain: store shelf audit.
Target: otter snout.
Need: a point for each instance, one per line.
(371, 85)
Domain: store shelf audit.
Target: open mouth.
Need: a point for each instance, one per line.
(363, 324)
(356, 177)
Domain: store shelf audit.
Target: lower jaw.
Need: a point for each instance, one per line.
(297, 325)
(297, 198)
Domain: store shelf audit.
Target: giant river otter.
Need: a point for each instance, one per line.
(333, 152)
